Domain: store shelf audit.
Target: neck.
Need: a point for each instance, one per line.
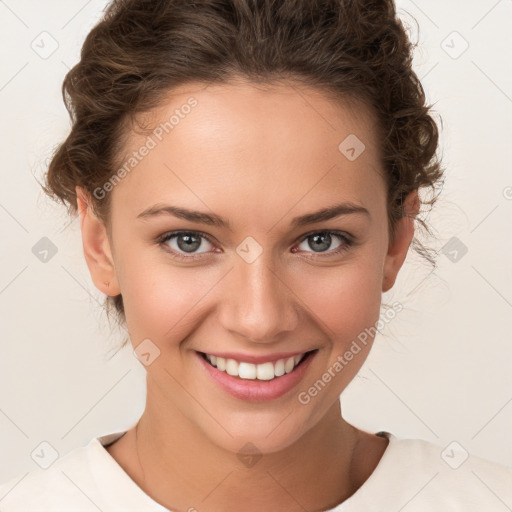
(179, 467)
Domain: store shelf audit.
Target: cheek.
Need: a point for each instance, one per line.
(345, 298)
(161, 300)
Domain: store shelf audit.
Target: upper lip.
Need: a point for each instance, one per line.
(250, 358)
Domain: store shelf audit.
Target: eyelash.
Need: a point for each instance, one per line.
(162, 240)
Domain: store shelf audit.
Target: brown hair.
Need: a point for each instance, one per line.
(141, 49)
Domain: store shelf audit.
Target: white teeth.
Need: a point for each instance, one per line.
(279, 368)
(232, 367)
(221, 363)
(289, 364)
(265, 371)
(249, 371)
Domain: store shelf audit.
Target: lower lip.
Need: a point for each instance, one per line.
(257, 390)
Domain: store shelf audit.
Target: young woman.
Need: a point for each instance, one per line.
(248, 176)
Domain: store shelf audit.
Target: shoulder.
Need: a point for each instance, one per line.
(87, 479)
(429, 475)
(67, 481)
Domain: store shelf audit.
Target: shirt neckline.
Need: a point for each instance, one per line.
(368, 487)
(109, 475)
(112, 481)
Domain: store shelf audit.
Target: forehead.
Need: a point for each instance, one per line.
(243, 114)
(251, 144)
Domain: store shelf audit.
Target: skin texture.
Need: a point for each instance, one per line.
(258, 156)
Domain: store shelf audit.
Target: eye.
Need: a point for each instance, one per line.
(182, 243)
(321, 241)
(185, 244)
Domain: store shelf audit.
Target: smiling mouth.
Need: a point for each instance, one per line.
(264, 371)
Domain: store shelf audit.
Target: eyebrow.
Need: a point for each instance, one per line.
(212, 219)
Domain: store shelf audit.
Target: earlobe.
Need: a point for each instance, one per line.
(96, 246)
(399, 246)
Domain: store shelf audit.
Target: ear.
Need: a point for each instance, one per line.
(96, 245)
(399, 246)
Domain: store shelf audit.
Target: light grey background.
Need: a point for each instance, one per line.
(441, 369)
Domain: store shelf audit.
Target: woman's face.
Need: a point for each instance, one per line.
(256, 277)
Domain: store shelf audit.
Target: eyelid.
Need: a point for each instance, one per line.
(170, 234)
(330, 231)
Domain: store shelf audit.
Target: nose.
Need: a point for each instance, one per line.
(257, 304)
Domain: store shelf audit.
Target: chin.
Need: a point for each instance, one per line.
(262, 431)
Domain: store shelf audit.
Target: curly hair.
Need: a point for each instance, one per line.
(141, 49)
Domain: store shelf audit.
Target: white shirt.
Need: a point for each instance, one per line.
(412, 475)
